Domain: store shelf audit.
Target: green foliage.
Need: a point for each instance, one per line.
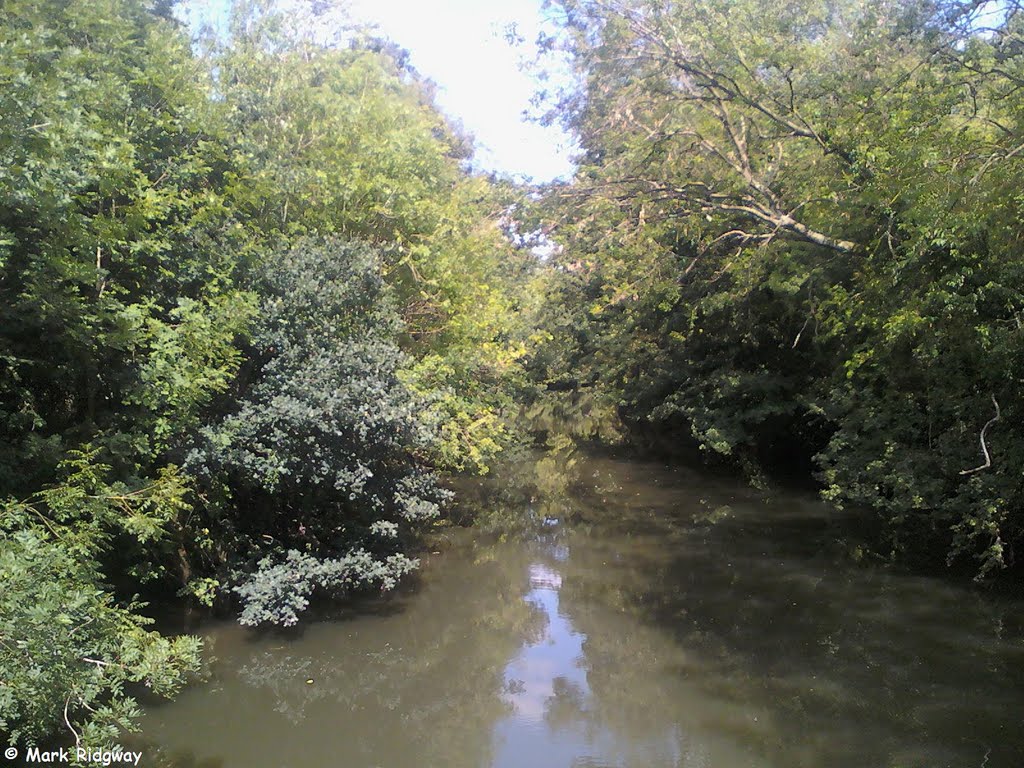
(247, 297)
(189, 358)
(794, 242)
(86, 510)
(114, 176)
(68, 649)
(278, 592)
(321, 403)
(344, 141)
(317, 446)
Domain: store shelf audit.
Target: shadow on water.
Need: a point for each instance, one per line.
(415, 686)
(840, 664)
(625, 614)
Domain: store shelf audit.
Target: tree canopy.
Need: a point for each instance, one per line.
(794, 243)
(255, 305)
(252, 302)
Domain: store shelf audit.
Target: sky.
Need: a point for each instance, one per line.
(461, 46)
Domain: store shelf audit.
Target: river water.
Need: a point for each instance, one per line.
(642, 616)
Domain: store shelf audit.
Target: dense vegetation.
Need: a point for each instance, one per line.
(794, 245)
(253, 301)
(250, 302)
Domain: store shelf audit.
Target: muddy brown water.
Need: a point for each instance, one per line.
(647, 617)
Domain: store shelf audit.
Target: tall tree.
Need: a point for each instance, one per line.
(796, 224)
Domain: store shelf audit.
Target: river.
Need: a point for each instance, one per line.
(645, 616)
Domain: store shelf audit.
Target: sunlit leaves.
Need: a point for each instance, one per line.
(894, 126)
(67, 650)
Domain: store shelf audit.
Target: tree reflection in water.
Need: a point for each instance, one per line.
(629, 615)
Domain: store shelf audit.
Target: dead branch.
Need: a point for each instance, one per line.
(984, 448)
(67, 721)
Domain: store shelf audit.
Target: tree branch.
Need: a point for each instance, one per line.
(984, 448)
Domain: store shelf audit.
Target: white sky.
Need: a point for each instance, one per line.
(461, 46)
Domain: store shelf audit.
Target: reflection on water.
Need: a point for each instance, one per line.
(543, 678)
(649, 618)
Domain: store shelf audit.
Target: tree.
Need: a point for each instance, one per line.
(795, 232)
(346, 141)
(241, 294)
(115, 238)
(318, 443)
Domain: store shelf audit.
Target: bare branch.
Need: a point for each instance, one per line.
(67, 721)
(98, 663)
(984, 448)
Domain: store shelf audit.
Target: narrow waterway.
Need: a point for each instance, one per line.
(649, 617)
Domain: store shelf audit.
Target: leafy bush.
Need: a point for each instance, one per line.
(319, 443)
(68, 651)
(278, 592)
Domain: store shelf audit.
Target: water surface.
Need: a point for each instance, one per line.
(646, 617)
